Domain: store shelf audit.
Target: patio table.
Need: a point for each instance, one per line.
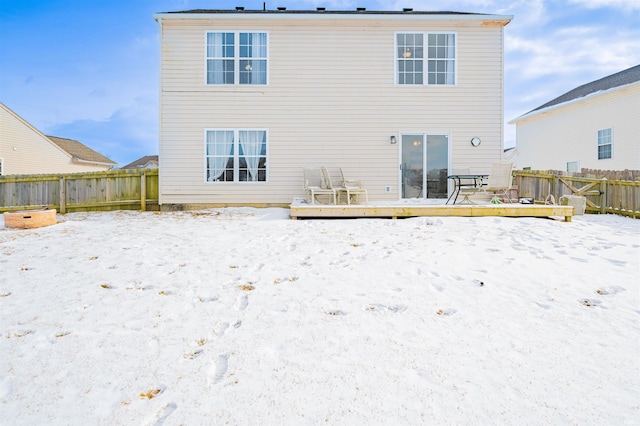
(464, 181)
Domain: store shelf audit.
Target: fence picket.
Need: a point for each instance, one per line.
(606, 195)
(111, 190)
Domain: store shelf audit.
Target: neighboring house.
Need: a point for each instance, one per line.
(146, 162)
(250, 98)
(594, 126)
(25, 150)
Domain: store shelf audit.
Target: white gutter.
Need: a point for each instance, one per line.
(571, 102)
(97, 163)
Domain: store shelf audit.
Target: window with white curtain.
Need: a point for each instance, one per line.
(430, 53)
(605, 144)
(236, 155)
(236, 57)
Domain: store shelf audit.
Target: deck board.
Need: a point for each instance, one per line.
(396, 211)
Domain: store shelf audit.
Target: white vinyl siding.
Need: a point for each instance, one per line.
(319, 108)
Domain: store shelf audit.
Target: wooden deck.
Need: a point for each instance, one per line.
(396, 211)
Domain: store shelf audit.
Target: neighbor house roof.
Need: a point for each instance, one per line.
(622, 78)
(80, 152)
(143, 162)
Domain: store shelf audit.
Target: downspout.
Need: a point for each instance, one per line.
(160, 109)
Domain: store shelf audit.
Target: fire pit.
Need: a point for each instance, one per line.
(27, 219)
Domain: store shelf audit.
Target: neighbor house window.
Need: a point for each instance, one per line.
(605, 144)
(236, 155)
(430, 54)
(573, 166)
(1, 167)
(236, 58)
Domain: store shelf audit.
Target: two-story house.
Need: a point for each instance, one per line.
(594, 126)
(251, 97)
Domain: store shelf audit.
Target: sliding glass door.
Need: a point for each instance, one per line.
(424, 164)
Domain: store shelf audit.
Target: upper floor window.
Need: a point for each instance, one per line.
(236, 58)
(433, 54)
(236, 155)
(605, 144)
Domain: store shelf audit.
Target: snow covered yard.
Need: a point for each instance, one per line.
(242, 316)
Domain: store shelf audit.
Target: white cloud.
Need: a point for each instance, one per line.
(616, 4)
(331, 4)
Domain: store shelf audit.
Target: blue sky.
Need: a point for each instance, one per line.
(88, 69)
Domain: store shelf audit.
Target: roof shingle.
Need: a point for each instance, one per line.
(622, 78)
(80, 151)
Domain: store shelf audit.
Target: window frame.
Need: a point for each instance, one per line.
(575, 163)
(236, 156)
(609, 143)
(236, 57)
(425, 58)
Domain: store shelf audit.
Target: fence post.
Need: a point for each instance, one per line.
(603, 196)
(63, 195)
(143, 192)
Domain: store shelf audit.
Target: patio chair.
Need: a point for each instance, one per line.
(353, 188)
(499, 181)
(315, 185)
(466, 187)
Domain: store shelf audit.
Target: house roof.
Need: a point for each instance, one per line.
(491, 20)
(142, 162)
(323, 11)
(79, 151)
(622, 78)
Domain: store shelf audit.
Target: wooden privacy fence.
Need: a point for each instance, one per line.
(122, 189)
(603, 195)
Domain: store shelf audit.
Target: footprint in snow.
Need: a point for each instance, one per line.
(220, 328)
(616, 262)
(437, 288)
(218, 369)
(609, 290)
(384, 308)
(192, 355)
(161, 415)
(542, 305)
(590, 302)
(20, 333)
(242, 303)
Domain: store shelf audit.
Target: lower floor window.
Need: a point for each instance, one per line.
(573, 166)
(236, 155)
